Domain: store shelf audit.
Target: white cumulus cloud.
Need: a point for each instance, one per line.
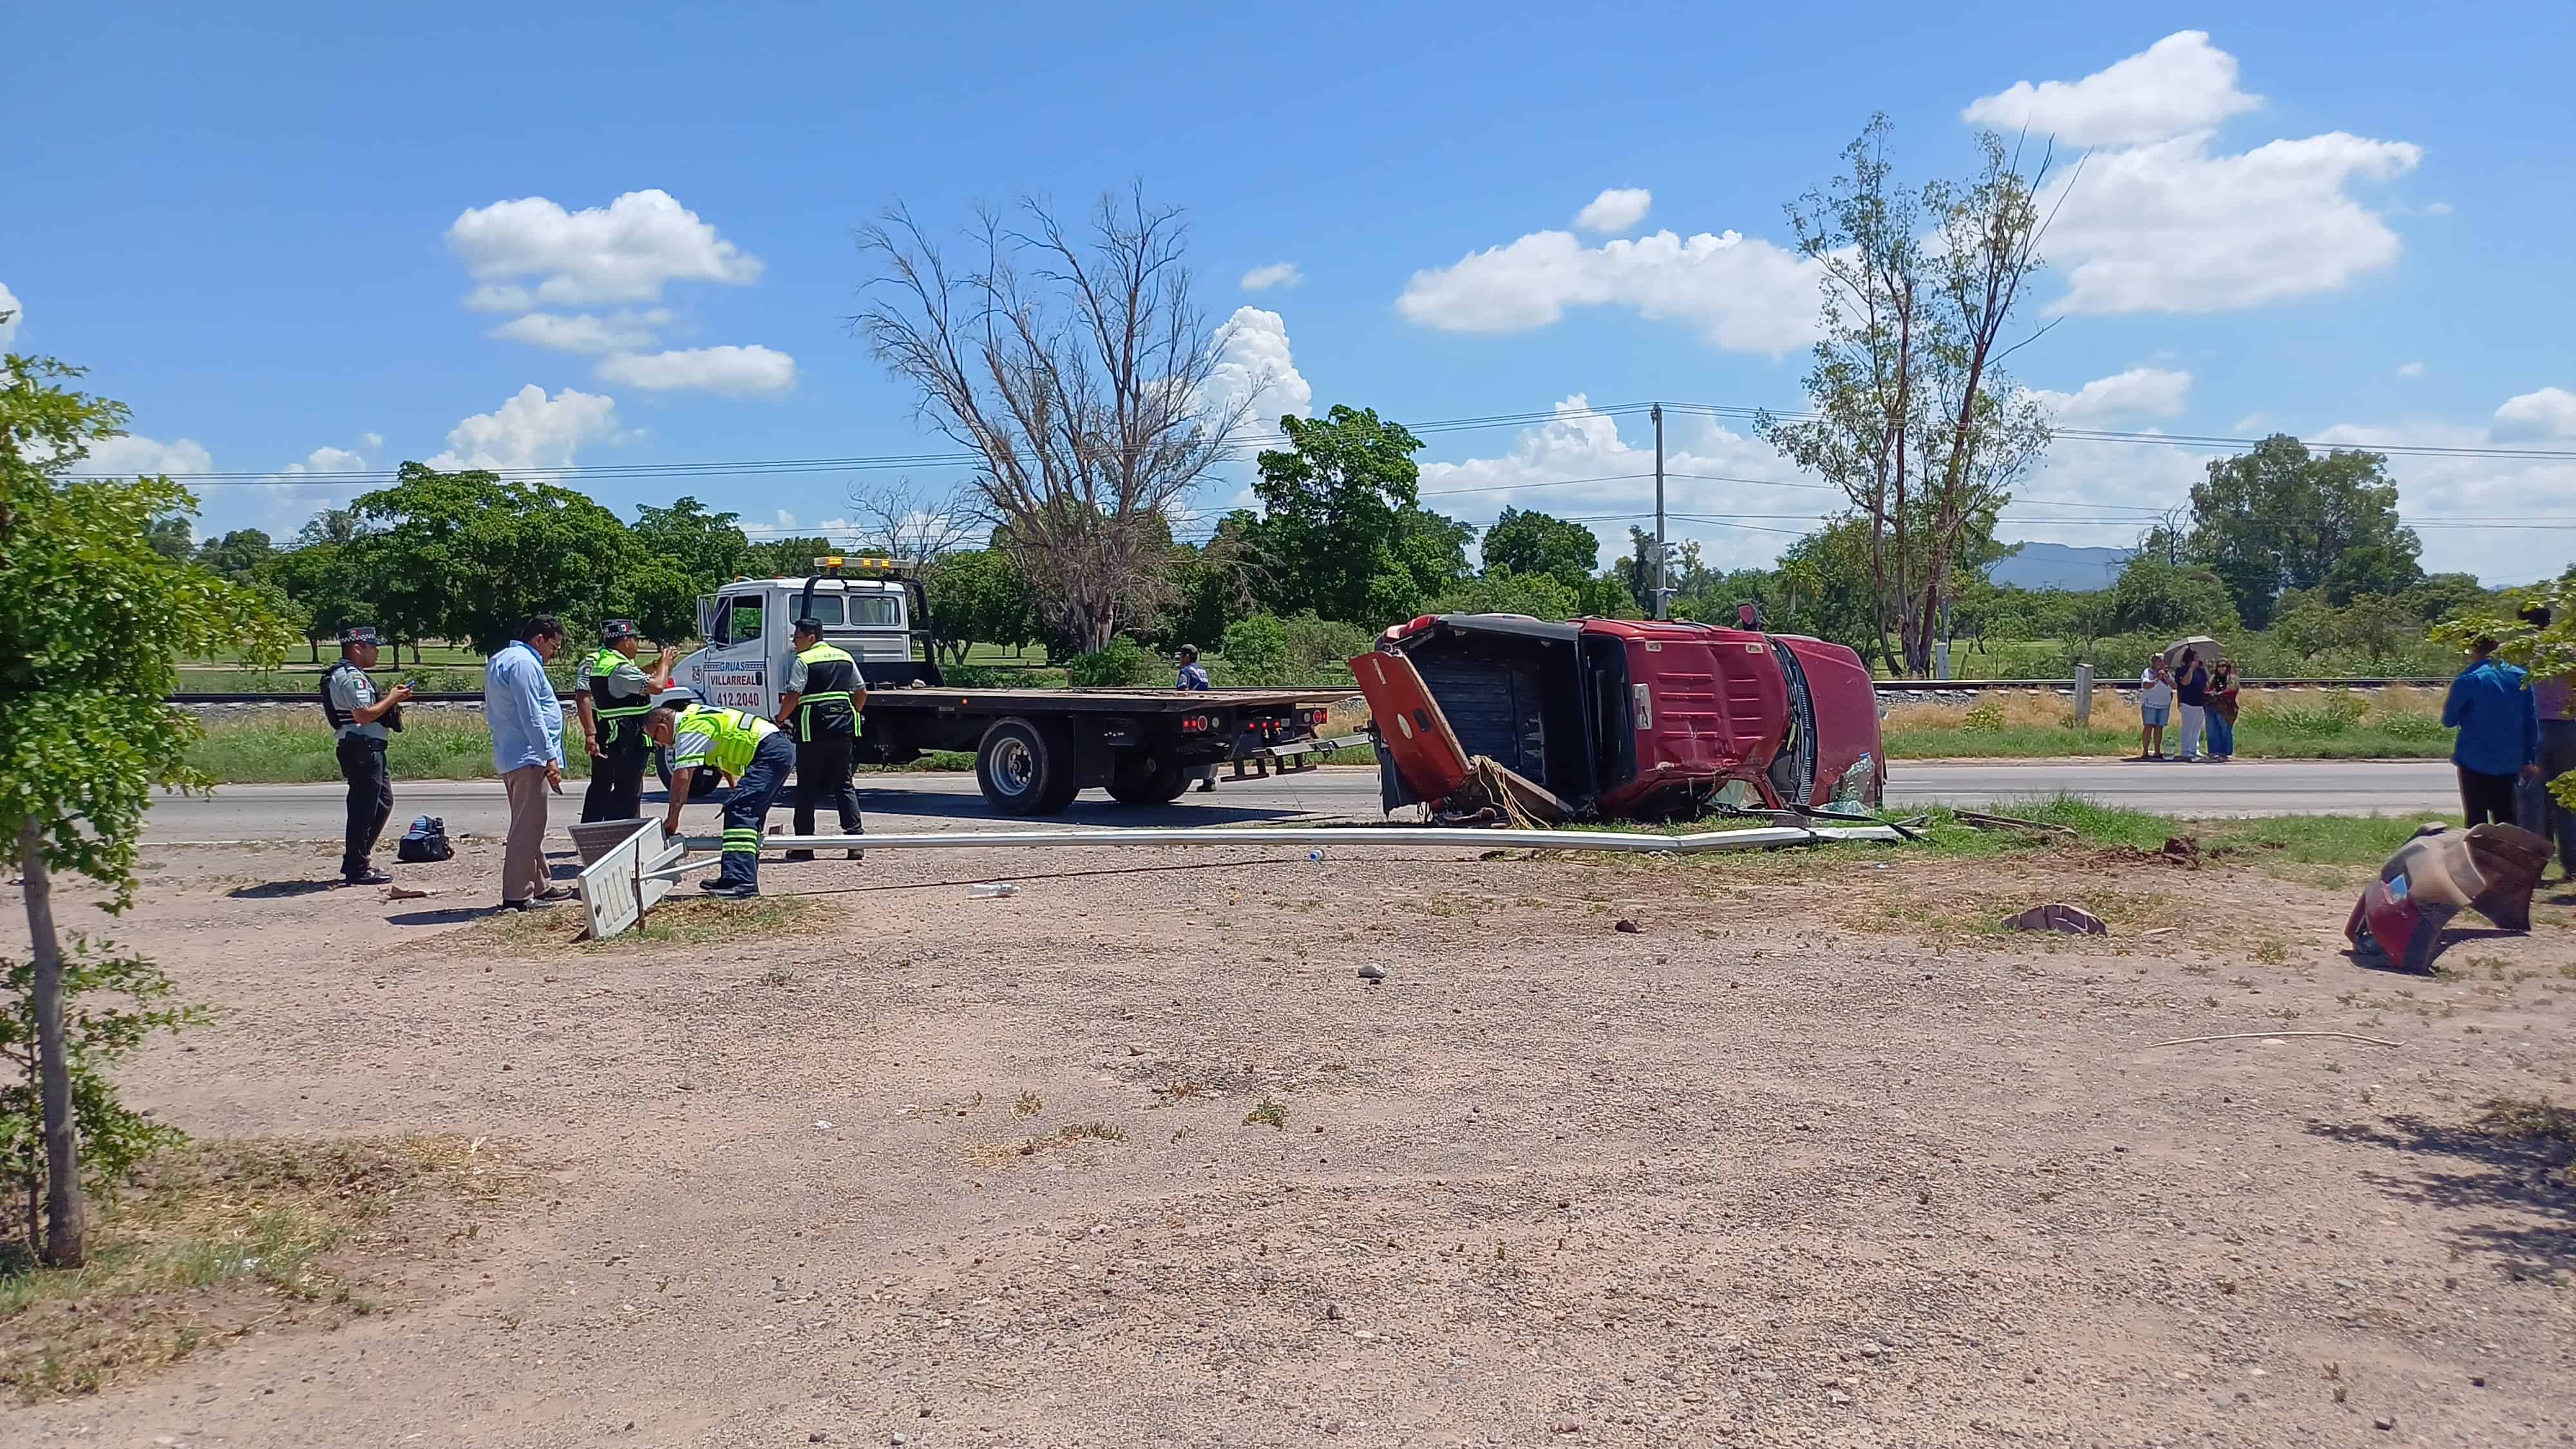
(2173, 228)
(1615, 210)
(1743, 295)
(2163, 221)
(16, 311)
(585, 333)
(2410, 369)
(1276, 274)
(626, 251)
(727, 369)
(531, 430)
(135, 456)
(1254, 366)
(1742, 501)
(2547, 413)
(2181, 83)
(2138, 392)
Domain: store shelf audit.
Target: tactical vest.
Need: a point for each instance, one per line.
(735, 737)
(620, 724)
(341, 719)
(825, 707)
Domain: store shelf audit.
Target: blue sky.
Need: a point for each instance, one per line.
(293, 237)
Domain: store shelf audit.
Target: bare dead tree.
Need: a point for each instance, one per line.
(1865, 235)
(1910, 413)
(917, 525)
(1076, 367)
(1990, 432)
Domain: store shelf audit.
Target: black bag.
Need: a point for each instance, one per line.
(425, 841)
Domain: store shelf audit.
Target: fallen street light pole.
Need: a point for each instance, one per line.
(635, 872)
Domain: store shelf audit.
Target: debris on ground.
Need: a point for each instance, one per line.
(2060, 917)
(1627, 927)
(1372, 972)
(2491, 869)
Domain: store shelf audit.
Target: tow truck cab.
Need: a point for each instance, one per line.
(871, 607)
(1626, 718)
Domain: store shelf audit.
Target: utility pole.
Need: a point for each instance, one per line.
(1663, 550)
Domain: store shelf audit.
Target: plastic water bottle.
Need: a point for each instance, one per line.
(991, 890)
(1315, 855)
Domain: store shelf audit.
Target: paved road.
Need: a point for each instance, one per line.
(933, 802)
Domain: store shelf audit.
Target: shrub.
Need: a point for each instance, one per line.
(1256, 651)
(1123, 665)
(970, 676)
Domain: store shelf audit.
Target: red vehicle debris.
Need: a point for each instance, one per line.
(1619, 718)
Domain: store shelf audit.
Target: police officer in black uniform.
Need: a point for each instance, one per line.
(819, 699)
(612, 696)
(364, 720)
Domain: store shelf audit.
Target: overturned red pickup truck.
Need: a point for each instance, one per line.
(1617, 718)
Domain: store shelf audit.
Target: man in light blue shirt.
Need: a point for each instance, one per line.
(519, 704)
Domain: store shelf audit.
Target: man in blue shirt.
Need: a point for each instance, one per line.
(1194, 676)
(2498, 720)
(519, 704)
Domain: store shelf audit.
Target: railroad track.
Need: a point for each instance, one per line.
(1884, 686)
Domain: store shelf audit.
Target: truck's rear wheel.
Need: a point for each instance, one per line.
(1026, 768)
(1143, 780)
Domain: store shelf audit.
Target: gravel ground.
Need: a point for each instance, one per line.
(1807, 1157)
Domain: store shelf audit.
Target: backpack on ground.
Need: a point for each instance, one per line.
(425, 841)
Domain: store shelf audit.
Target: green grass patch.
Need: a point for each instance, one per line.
(216, 1240)
(281, 749)
(2041, 742)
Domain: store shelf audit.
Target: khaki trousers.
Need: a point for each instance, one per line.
(523, 865)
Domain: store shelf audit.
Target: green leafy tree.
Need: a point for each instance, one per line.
(2444, 596)
(98, 617)
(1530, 542)
(787, 558)
(976, 597)
(705, 548)
(2377, 628)
(465, 556)
(2280, 517)
(172, 537)
(237, 555)
(1342, 528)
(1501, 591)
(321, 582)
(1255, 651)
(1827, 589)
(2153, 596)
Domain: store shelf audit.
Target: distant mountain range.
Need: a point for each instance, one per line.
(2060, 566)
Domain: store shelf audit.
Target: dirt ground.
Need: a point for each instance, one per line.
(1810, 1156)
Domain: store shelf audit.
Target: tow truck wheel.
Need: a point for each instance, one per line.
(1141, 780)
(1025, 769)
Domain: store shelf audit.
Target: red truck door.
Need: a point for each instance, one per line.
(1427, 753)
(1706, 704)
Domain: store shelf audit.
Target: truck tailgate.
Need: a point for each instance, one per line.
(1426, 753)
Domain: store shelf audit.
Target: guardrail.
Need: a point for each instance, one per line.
(1883, 686)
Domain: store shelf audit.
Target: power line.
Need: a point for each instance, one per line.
(776, 467)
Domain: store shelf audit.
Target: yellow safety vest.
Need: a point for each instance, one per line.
(733, 737)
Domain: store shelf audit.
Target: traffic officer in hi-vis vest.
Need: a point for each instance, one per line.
(820, 694)
(740, 746)
(613, 695)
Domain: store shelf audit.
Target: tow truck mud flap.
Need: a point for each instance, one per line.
(1415, 735)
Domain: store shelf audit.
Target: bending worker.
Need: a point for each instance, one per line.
(613, 695)
(745, 749)
(819, 698)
